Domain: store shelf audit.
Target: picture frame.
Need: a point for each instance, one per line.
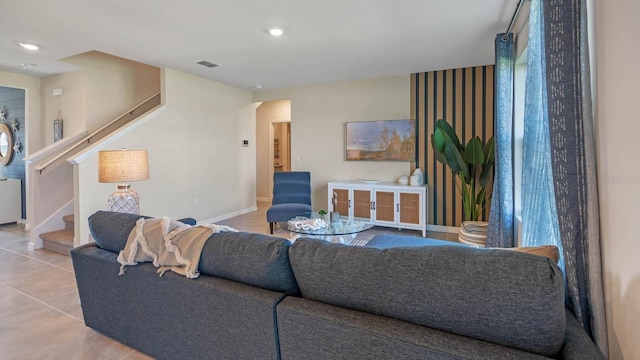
(381, 140)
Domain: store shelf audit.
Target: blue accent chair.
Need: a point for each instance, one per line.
(291, 196)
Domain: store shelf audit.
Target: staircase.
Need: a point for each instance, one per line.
(60, 241)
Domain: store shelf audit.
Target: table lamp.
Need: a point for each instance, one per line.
(122, 166)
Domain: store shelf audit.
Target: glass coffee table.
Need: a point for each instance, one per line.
(314, 225)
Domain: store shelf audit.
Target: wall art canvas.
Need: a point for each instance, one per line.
(383, 140)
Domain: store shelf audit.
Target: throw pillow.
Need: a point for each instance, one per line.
(549, 251)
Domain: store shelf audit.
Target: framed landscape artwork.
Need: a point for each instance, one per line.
(383, 140)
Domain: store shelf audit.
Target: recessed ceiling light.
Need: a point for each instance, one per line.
(31, 47)
(258, 86)
(276, 31)
(28, 66)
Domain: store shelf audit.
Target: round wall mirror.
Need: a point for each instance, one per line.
(6, 144)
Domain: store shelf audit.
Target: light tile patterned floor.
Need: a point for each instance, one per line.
(40, 314)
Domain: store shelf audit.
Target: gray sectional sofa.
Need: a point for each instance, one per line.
(260, 297)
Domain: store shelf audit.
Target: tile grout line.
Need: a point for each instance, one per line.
(40, 301)
(60, 311)
(32, 258)
(124, 357)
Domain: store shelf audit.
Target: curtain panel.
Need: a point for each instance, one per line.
(574, 168)
(560, 197)
(500, 232)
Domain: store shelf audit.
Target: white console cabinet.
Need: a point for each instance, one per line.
(11, 200)
(382, 203)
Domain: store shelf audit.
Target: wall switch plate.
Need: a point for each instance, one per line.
(245, 143)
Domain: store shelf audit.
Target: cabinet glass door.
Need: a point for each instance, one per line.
(343, 201)
(409, 208)
(384, 206)
(362, 205)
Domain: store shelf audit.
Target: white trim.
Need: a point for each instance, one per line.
(228, 215)
(52, 223)
(53, 148)
(442, 228)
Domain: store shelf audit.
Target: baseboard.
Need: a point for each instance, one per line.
(442, 228)
(228, 215)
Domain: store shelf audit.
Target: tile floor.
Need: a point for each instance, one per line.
(40, 314)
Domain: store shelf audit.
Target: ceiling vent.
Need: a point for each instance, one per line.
(207, 63)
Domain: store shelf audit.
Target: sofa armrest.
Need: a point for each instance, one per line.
(577, 343)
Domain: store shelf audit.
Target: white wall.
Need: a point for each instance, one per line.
(319, 114)
(267, 113)
(113, 85)
(618, 128)
(198, 167)
(72, 103)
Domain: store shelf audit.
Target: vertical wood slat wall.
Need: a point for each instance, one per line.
(464, 98)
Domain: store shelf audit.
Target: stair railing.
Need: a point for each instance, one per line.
(127, 116)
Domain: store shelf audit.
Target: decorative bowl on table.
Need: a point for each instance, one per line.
(307, 224)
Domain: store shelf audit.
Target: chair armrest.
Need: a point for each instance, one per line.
(577, 343)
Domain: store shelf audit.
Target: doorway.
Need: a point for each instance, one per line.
(273, 144)
(281, 146)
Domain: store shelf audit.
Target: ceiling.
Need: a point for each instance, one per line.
(324, 40)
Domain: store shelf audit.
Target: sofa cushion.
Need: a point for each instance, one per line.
(509, 298)
(110, 230)
(250, 258)
(284, 212)
(548, 251)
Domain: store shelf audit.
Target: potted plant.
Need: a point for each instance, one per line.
(471, 165)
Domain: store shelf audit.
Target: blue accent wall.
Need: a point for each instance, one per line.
(14, 102)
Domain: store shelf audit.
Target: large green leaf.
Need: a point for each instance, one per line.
(480, 196)
(485, 175)
(439, 155)
(473, 153)
(450, 132)
(455, 160)
(490, 151)
(440, 139)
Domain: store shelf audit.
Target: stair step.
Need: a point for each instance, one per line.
(68, 222)
(60, 241)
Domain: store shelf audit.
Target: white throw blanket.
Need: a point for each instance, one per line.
(170, 245)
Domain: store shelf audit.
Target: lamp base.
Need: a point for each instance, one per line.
(124, 200)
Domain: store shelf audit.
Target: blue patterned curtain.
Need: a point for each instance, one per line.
(539, 217)
(500, 231)
(559, 186)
